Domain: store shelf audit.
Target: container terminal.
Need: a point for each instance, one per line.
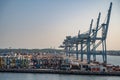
(72, 61)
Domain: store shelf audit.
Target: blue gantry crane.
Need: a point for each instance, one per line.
(89, 41)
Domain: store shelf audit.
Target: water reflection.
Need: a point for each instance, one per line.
(38, 76)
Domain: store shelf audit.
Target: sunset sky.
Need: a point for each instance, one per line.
(46, 23)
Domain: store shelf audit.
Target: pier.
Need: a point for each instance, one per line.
(50, 71)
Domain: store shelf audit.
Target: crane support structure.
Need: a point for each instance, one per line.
(89, 41)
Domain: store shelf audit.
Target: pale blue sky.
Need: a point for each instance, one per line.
(45, 23)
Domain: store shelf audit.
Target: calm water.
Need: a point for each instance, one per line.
(30, 76)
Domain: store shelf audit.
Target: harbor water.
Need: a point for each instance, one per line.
(38, 76)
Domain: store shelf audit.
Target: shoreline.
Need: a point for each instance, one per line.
(51, 71)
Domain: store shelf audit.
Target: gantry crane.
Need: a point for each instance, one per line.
(89, 41)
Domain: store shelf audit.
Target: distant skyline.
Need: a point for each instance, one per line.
(45, 23)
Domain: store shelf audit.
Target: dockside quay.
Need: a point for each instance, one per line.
(48, 61)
